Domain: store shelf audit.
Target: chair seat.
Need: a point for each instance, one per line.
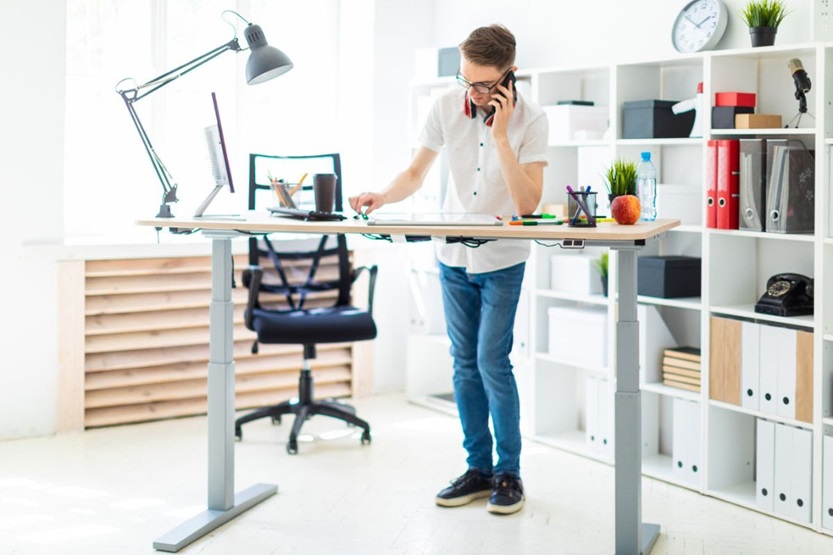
(316, 325)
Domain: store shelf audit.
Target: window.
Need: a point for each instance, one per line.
(109, 181)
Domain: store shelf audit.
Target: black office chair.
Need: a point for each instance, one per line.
(291, 306)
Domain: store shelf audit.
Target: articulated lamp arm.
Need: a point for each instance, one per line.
(136, 93)
(265, 63)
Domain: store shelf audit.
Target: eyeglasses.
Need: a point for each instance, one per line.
(482, 88)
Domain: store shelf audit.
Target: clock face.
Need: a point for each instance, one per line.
(699, 26)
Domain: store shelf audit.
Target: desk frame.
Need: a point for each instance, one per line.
(223, 504)
(632, 535)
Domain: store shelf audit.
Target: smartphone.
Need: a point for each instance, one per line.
(510, 77)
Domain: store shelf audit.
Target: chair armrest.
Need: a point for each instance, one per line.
(252, 278)
(371, 286)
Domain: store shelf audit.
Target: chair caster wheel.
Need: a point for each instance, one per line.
(276, 420)
(238, 435)
(366, 437)
(292, 447)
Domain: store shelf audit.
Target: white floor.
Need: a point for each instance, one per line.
(115, 490)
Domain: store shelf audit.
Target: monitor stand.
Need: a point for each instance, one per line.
(200, 213)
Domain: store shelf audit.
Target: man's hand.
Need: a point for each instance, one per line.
(504, 106)
(370, 201)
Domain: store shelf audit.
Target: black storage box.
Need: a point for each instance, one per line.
(723, 117)
(653, 119)
(668, 276)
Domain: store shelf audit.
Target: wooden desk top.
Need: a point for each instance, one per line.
(264, 222)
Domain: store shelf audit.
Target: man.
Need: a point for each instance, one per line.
(496, 149)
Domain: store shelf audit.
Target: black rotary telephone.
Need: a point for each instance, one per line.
(787, 295)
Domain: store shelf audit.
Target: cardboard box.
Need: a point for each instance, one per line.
(575, 273)
(578, 335)
(734, 99)
(569, 122)
(653, 119)
(668, 277)
(723, 117)
(757, 121)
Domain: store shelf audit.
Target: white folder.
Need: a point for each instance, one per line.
(827, 484)
(786, 340)
(693, 444)
(801, 483)
(783, 470)
(591, 412)
(605, 417)
(768, 379)
(679, 440)
(750, 363)
(765, 466)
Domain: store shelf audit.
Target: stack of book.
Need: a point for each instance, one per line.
(681, 368)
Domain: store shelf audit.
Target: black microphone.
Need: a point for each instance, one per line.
(802, 81)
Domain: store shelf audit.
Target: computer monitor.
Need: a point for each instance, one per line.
(220, 169)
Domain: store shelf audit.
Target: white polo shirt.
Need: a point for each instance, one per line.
(476, 183)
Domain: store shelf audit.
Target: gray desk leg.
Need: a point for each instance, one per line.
(632, 536)
(223, 504)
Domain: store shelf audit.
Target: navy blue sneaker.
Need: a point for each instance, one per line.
(465, 489)
(507, 495)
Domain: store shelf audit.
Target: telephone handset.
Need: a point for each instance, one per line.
(787, 295)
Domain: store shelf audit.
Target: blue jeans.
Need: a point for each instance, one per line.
(480, 315)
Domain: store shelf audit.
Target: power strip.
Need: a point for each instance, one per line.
(821, 25)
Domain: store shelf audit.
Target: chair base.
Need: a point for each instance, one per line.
(304, 409)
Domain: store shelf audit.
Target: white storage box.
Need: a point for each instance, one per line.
(680, 202)
(575, 273)
(570, 122)
(578, 335)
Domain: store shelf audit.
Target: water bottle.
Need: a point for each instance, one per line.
(646, 187)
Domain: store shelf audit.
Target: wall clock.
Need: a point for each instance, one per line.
(699, 26)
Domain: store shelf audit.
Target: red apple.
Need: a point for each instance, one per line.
(626, 209)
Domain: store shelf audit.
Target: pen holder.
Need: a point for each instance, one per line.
(284, 193)
(576, 213)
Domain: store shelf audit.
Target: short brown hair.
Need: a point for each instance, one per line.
(490, 46)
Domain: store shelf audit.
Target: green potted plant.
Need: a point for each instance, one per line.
(602, 266)
(763, 18)
(620, 180)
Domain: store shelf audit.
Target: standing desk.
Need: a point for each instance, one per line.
(632, 536)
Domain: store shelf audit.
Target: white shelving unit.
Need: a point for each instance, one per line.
(557, 393)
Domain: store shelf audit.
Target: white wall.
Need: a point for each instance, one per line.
(597, 32)
(31, 153)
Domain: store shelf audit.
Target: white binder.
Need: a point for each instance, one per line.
(785, 344)
(605, 417)
(591, 412)
(750, 365)
(783, 470)
(765, 466)
(679, 440)
(801, 477)
(693, 444)
(768, 377)
(827, 484)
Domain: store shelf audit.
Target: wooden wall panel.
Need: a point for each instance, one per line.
(145, 343)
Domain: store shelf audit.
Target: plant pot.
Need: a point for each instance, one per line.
(762, 36)
(604, 285)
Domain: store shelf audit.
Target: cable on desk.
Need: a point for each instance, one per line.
(573, 244)
(470, 242)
